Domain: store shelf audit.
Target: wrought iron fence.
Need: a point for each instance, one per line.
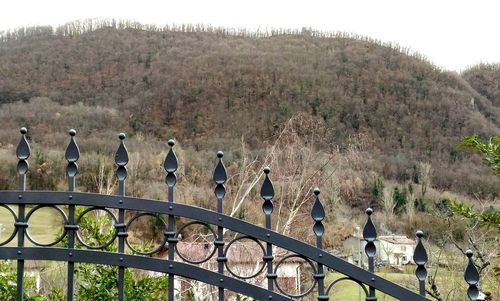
(76, 249)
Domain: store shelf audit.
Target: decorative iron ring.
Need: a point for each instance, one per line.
(327, 292)
(195, 261)
(14, 232)
(154, 250)
(314, 272)
(105, 245)
(59, 239)
(263, 254)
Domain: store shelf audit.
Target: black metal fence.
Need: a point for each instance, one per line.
(78, 250)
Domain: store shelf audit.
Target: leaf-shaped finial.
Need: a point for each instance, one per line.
(471, 276)
(267, 189)
(170, 163)
(121, 158)
(420, 259)
(220, 174)
(267, 193)
(370, 234)
(318, 211)
(72, 155)
(23, 152)
(318, 214)
(420, 254)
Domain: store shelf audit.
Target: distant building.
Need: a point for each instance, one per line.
(391, 249)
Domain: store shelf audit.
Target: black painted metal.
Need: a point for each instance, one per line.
(220, 177)
(318, 214)
(267, 194)
(23, 152)
(471, 276)
(144, 263)
(72, 155)
(121, 160)
(420, 259)
(370, 235)
(214, 218)
(170, 165)
(316, 257)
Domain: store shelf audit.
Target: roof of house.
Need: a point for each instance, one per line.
(397, 239)
(394, 239)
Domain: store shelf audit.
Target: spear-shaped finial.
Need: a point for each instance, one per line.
(121, 160)
(267, 193)
(170, 165)
(318, 214)
(420, 259)
(72, 155)
(23, 152)
(471, 276)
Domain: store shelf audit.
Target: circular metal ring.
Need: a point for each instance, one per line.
(263, 254)
(79, 237)
(59, 239)
(276, 272)
(136, 217)
(201, 260)
(327, 292)
(14, 232)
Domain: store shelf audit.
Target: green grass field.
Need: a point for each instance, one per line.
(44, 225)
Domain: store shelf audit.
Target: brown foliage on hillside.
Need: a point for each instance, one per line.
(209, 87)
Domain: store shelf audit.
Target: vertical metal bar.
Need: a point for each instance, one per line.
(23, 152)
(420, 259)
(121, 159)
(72, 155)
(318, 214)
(170, 165)
(267, 194)
(471, 276)
(370, 235)
(220, 177)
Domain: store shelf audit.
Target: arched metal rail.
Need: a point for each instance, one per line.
(210, 217)
(141, 262)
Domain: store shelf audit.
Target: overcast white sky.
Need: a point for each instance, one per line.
(453, 34)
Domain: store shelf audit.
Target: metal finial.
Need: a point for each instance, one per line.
(121, 158)
(471, 276)
(72, 155)
(220, 177)
(318, 214)
(370, 234)
(220, 174)
(23, 152)
(420, 259)
(267, 193)
(170, 165)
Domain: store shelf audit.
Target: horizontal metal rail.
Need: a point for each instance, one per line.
(210, 217)
(140, 262)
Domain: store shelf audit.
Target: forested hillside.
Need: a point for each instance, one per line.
(207, 88)
(369, 121)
